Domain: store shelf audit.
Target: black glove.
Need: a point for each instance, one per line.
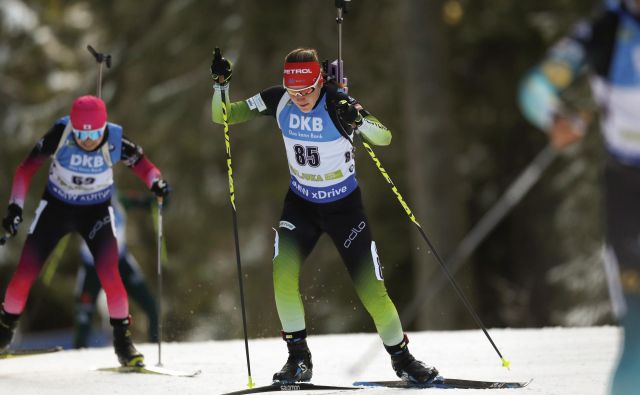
(348, 113)
(13, 219)
(160, 188)
(220, 68)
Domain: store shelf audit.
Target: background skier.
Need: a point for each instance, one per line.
(83, 147)
(608, 48)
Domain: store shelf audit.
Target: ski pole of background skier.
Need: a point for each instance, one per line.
(341, 8)
(100, 58)
(511, 197)
(159, 279)
(232, 199)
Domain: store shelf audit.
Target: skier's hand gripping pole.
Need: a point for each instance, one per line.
(11, 222)
(221, 69)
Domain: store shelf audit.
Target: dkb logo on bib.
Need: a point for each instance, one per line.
(87, 161)
(311, 124)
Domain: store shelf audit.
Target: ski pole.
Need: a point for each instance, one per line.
(159, 279)
(232, 199)
(342, 8)
(512, 196)
(7, 235)
(453, 282)
(100, 58)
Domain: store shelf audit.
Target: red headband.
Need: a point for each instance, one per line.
(301, 73)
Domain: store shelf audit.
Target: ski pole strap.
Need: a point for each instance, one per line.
(390, 182)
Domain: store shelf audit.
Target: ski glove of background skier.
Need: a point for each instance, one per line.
(160, 188)
(220, 68)
(348, 113)
(13, 219)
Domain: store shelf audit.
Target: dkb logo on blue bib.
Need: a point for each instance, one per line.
(311, 124)
(87, 161)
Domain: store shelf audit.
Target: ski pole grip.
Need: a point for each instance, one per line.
(343, 4)
(99, 57)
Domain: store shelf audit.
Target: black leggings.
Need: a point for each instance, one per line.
(301, 225)
(54, 220)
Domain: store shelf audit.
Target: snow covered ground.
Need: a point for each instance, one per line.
(559, 360)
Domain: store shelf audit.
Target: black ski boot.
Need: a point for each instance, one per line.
(8, 324)
(299, 366)
(407, 367)
(126, 352)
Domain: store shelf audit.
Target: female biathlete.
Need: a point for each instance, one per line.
(318, 122)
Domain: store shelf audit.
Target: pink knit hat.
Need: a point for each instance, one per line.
(88, 113)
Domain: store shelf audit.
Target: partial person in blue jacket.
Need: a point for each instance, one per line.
(88, 284)
(608, 49)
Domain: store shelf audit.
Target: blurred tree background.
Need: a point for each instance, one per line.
(442, 75)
